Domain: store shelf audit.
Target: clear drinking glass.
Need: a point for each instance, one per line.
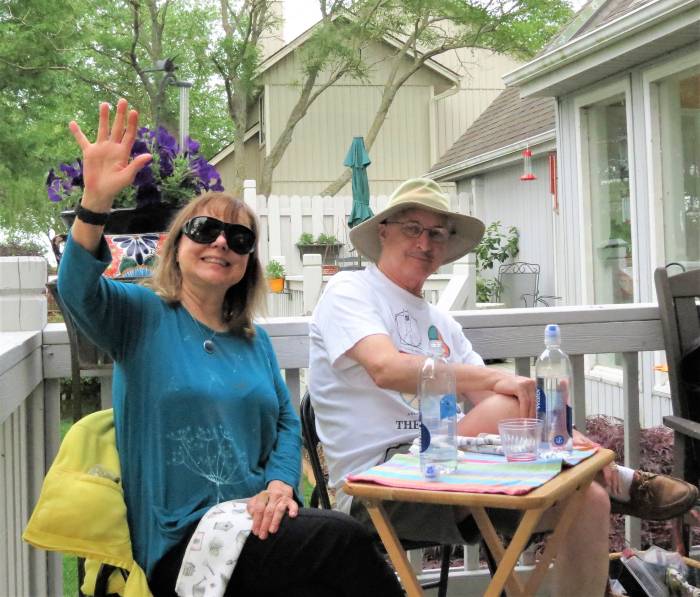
(520, 439)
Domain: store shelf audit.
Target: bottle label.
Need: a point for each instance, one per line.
(540, 400)
(424, 438)
(448, 406)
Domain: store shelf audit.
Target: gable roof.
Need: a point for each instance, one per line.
(302, 38)
(507, 126)
(615, 36)
(608, 12)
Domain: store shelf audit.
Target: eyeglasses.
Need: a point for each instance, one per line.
(205, 230)
(413, 229)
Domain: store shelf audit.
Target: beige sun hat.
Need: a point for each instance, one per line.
(419, 193)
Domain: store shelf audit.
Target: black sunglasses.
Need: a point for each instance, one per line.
(205, 230)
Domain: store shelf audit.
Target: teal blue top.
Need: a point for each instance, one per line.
(193, 429)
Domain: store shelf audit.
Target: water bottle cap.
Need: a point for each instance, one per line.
(552, 333)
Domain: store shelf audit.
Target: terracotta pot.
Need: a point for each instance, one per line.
(275, 284)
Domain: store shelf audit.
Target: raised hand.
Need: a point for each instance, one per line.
(106, 166)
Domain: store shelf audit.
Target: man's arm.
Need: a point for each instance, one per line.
(394, 370)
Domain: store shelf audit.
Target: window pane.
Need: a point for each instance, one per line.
(608, 179)
(679, 113)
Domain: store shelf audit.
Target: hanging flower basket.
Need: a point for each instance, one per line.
(142, 211)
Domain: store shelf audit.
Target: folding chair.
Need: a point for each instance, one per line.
(320, 493)
(679, 309)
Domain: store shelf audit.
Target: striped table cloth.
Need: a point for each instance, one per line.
(476, 473)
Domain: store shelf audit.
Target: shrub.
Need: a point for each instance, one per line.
(306, 238)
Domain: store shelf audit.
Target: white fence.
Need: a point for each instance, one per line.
(284, 218)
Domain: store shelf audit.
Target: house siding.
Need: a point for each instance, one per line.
(321, 140)
(481, 83)
(418, 127)
(502, 196)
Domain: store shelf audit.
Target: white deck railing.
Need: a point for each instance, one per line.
(32, 362)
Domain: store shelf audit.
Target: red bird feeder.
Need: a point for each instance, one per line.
(527, 165)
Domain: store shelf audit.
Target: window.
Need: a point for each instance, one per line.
(604, 125)
(679, 126)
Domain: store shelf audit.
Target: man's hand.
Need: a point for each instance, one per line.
(269, 507)
(522, 388)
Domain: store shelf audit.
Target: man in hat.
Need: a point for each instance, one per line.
(369, 338)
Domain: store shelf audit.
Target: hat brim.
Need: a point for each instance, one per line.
(468, 231)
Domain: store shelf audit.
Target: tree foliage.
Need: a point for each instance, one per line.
(59, 59)
(426, 29)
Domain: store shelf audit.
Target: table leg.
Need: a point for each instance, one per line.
(507, 559)
(571, 506)
(393, 546)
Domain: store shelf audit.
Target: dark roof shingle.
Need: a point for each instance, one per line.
(508, 120)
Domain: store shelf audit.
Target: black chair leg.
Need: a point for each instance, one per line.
(491, 562)
(81, 576)
(444, 570)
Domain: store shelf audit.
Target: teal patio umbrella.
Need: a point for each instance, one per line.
(358, 160)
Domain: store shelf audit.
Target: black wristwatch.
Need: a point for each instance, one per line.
(91, 217)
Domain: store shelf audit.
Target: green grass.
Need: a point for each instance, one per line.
(70, 563)
(70, 576)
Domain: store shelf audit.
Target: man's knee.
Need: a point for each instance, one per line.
(597, 500)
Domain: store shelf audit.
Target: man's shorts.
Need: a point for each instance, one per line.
(434, 522)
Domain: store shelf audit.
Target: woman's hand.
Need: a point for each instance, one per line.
(269, 507)
(106, 166)
(522, 388)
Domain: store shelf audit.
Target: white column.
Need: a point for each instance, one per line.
(274, 232)
(313, 278)
(250, 193)
(466, 266)
(22, 294)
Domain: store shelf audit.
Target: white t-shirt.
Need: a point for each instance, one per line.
(357, 421)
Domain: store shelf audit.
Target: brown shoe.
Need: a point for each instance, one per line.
(656, 497)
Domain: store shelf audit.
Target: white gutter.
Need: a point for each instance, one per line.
(625, 26)
(502, 152)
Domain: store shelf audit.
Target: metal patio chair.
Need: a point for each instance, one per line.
(518, 286)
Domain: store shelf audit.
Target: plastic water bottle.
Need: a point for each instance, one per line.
(553, 372)
(438, 412)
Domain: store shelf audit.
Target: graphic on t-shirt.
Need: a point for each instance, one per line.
(208, 453)
(433, 332)
(407, 328)
(411, 399)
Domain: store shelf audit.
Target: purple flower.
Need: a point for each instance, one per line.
(144, 177)
(192, 146)
(166, 164)
(139, 147)
(66, 181)
(166, 142)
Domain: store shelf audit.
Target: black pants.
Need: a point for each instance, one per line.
(319, 553)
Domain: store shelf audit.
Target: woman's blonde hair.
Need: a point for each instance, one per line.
(244, 299)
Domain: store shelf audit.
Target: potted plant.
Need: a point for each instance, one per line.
(174, 176)
(327, 245)
(143, 210)
(274, 272)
